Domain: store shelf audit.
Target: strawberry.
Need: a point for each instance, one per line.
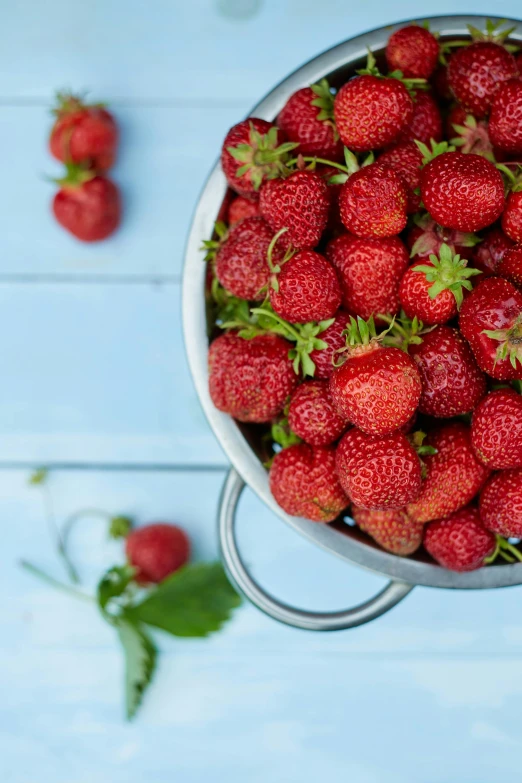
(369, 270)
(241, 260)
(333, 337)
(491, 322)
(239, 208)
(465, 192)
(501, 504)
(413, 50)
(433, 291)
(406, 160)
(470, 135)
(427, 237)
(83, 133)
(426, 123)
(378, 472)
(510, 266)
(393, 530)
(459, 542)
(373, 202)
(453, 474)
(457, 115)
(370, 110)
(305, 289)
(512, 217)
(476, 72)
(253, 151)
(157, 550)
(452, 382)
(496, 430)
(303, 482)
(300, 203)
(491, 250)
(250, 379)
(307, 118)
(377, 388)
(312, 415)
(86, 205)
(505, 121)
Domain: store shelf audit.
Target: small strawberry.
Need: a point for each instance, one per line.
(460, 542)
(371, 110)
(86, 205)
(426, 123)
(496, 430)
(465, 192)
(370, 271)
(433, 291)
(307, 118)
(306, 288)
(406, 160)
(501, 504)
(510, 267)
(83, 133)
(512, 217)
(414, 51)
(490, 251)
(491, 322)
(427, 237)
(239, 208)
(313, 416)
(250, 379)
(453, 474)
(333, 338)
(476, 72)
(472, 135)
(157, 550)
(505, 121)
(300, 203)
(378, 472)
(377, 388)
(452, 383)
(393, 530)
(253, 151)
(373, 202)
(303, 482)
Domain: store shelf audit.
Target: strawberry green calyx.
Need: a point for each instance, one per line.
(493, 32)
(76, 175)
(119, 526)
(512, 172)
(447, 272)
(433, 236)
(263, 158)
(417, 441)
(504, 549)
(404, 331)
(410, 84)
(435, 149)
(510, 343)
(361, 337)
(67, 103)
(276, 268)
(473, 137)
(283, 435)
(447, 48)
(517, 386)
(324, 101)
(211, 246)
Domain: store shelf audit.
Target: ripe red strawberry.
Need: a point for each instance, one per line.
(427, 237)
(393, 530)
(300, 203)
(414, 51)
(86, 205)
(489, 253)
(426, 123)
(453, 474)
(370, 111)
(476, 72)
(501, 504)
(307, 118)
(306, 289)
(510, 266)
(156, 551)
(465, 192)
(491, 322)
(512, 217)
(460, 542)
(370, 271)
(406, 160)
(250, 379)
(378, 472)
(253, 151)
(505, 120)
(334, 339)
(377, 388)
(496, 430)
(83, 133)
(434, 291)
(241, 260)
(240, 208)
(303, 482)
(373, 202)
(452, 382)
(312, 415)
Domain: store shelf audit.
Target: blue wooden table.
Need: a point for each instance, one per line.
(94, 384)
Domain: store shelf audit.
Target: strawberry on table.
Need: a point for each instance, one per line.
(460, 542)
(306, 288)
(393, 530)
(496, 430)
(312, 415)
(83, 133)
(157, 550)
(501, 504)
(307, 118)
(86, 205)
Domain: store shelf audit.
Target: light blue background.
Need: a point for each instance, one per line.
(94, 383)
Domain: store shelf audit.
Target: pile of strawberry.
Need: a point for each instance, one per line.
(85, 138)
(367, 278)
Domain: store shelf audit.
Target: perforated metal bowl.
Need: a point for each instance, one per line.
(337, 64)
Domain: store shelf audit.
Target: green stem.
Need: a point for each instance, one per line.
(290, 329)
(55, 533)
(319, 160)
(270, 250)
(35, 571)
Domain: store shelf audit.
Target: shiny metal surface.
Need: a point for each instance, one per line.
(338, 540)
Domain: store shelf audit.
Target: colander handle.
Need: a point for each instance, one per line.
(311, 621)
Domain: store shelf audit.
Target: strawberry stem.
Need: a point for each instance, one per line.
(35, 571)
(447, 273)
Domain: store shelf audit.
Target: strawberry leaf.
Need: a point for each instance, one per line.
(140, 663)
(38, 477)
